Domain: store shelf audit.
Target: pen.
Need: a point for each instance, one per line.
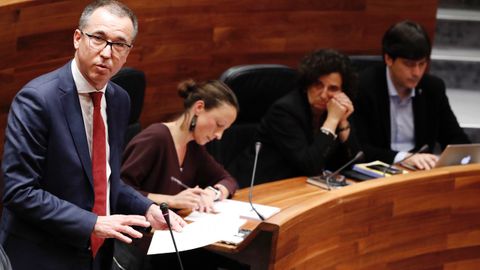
(179, 182)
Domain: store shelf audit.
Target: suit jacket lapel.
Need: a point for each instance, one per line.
(419, 116)
(112, 125)
(384, 105)
(74, 118)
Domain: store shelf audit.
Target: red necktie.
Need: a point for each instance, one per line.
(99, 163)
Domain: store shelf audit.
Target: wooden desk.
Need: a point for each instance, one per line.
(422, 220)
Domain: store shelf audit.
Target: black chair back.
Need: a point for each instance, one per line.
(361, 62)
(256, 87)
(134, 82)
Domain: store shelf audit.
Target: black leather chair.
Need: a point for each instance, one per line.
(134, 82)
(361, 62)
(256, 88)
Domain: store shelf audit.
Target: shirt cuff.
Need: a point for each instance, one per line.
(400, 156)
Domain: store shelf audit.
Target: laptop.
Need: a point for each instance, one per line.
(459, 154)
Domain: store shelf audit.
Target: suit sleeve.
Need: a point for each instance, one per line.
(289, 134)
(450, 131)
(368, 118)
(23, 162)
(129, 201)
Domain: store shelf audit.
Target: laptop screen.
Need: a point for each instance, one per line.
(459, 154)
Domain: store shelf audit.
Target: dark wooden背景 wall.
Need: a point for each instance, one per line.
(179, 39)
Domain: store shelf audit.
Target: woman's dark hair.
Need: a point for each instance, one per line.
(213, 93)
(408, 40)
(323, 62)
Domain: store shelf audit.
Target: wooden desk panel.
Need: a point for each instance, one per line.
(423, 220)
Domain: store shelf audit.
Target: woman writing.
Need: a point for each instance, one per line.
(168, 162)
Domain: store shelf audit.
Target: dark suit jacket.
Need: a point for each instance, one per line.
(434, 120)
(48, 196)
(290, 147)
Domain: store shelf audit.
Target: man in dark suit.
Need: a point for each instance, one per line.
(400, 108)
(58, 214)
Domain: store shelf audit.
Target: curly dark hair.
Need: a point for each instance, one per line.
(323, 62)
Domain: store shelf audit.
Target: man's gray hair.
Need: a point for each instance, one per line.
(115, 7)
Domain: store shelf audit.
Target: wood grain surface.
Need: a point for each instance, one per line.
(422, 220)
(196, 39)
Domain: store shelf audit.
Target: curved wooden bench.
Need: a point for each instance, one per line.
(422, 220)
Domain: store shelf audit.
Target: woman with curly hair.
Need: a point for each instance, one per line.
(307, 130)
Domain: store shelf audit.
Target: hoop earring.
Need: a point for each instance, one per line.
(193, 123)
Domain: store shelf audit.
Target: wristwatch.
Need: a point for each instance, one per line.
(328, 132)
(217, 192)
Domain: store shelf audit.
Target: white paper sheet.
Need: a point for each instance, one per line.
(207, 229)
(204, 231)
(244, 210)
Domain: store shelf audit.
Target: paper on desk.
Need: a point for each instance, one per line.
(244, 210)
(205, 231)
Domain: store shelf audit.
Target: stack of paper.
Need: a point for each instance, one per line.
(204, 231)
(208, 228)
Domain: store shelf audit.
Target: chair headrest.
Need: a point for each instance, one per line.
(361, 62)
(257, 87)
(134, 82)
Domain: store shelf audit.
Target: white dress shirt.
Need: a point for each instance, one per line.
(86, 103)
(402, 127)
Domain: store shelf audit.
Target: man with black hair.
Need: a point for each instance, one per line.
(400, 108)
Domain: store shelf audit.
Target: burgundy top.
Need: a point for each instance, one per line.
(150, 160)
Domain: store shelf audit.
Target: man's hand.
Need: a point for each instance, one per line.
(422, 161)
(155, 217)
(119, 227)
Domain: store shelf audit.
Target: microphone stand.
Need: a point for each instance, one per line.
(258, 145)
(335, 183)
(164, 208)
(329, 179)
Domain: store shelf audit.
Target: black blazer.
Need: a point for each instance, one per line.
(290, 147)
(434, 120)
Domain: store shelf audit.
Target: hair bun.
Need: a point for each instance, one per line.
(186, 87)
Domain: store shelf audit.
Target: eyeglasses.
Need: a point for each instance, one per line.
(99, 43)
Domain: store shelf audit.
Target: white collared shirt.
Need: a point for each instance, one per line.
(86, 103)
(402, 127)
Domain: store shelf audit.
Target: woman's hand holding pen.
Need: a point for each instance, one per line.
(192, 198)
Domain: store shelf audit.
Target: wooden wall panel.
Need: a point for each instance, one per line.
(179, 39)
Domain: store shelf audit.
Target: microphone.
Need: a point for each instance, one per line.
(258, 145)
(164, 208)
(422, 149)
(330, 179)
